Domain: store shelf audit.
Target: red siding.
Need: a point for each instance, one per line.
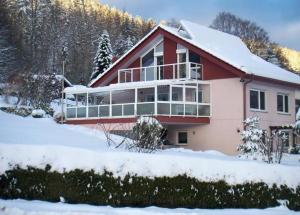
(162, 119)
(169, 56)
(213, 71)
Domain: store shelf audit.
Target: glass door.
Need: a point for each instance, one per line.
(182, 65)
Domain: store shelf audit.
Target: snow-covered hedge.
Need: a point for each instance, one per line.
(79, 186)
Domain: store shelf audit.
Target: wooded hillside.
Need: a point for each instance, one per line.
(36, 31)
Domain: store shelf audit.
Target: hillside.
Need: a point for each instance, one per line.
(292, 57)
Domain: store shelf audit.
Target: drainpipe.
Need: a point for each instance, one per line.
(245, 93)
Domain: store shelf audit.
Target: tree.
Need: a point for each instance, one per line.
(122, 45)
(103, 58)
(257, 144)
(254, 36)
(252, 137)
(297, 124)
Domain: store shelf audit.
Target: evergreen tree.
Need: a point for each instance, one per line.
(103, 58)
(122, 45)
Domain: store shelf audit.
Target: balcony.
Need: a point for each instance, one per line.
(186, 70)
(189, 98)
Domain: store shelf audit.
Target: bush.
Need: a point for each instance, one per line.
(20, 111)
(88, 187)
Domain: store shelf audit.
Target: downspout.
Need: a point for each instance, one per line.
(245, 94)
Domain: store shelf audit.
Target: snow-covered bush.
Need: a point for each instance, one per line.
(147, 135)
(38, 113)
(259, 145)
(252, 137)
(20, 111)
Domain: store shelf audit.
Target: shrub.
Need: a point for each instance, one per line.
(20, 111)
(78, 186)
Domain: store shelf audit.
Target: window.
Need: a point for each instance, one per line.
(282, 103)
(182, 138)
(257, 100)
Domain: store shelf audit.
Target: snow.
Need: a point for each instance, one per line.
(232, 50)
(38, 113)
(40, 141)
(23, 207)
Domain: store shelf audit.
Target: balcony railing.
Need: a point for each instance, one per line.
(186, 70)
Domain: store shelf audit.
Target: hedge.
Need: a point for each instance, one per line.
(88, 187)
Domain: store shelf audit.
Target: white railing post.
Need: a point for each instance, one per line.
(174, 71)
(110, 104)
(183, 89)
(155, 100)
(135, 101)
(87, 105)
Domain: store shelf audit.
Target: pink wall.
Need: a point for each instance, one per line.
(271, 117)
(227, 115)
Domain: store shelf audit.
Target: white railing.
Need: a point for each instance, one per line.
(186, 70)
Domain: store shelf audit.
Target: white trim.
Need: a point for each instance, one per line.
(177, 138)
(284, 112)
(259, 105)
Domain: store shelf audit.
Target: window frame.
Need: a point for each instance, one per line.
(259, 100)
(284, 95)
(179, 143)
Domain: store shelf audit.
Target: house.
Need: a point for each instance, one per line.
(200, 83)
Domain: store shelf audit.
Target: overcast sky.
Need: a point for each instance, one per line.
(281, 18)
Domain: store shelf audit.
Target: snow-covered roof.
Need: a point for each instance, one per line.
(130, 85)
(229, 48)
(232, 50)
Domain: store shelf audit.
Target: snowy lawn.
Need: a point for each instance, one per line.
(37, 142)
(23, 207)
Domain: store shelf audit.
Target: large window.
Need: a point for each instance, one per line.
(257, 100)
(182, 137)
(282, 103)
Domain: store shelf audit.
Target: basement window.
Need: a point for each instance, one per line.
(182, 137)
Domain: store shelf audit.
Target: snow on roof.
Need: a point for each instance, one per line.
(130, 85)
(232, 50)
(226, 47)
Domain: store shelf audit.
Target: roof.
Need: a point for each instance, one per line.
(130, 85)
(228, 48)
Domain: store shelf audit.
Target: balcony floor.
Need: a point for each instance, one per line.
(165, 120)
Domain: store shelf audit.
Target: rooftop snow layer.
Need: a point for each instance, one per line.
(232, 50)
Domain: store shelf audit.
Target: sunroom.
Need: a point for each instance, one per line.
(166, 97)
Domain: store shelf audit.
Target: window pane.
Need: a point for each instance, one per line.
(177, 93)
(146, 95)
(262, 101)
(93, 111)
(191, 110)
(286, 104)
(99, 98)
(148, 59)
(104, 111)
(116, 110)
(190, 94)
(147, 108)
(159, 47)
(203, 110)
(177, 109)
(163, 92)
(81, 112)
(71, 112)
(200, 96)
(254, 99)
(182, 138)
(280, 103)
(128, 110)
(163, 108)
(81, 99)
(123, 96)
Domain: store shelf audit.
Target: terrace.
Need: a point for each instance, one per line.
(188, 98)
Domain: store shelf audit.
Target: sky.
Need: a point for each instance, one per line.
(280, 18)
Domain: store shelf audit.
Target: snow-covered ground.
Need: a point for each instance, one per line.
(37, 142)
(22, 207)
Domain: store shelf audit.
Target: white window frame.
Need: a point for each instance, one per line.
(187, 138)
(283, 103)
(259, 106)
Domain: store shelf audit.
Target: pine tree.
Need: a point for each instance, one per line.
(103, 58)
(122, 45)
